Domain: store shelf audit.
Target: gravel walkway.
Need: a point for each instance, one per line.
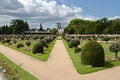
(58, 67)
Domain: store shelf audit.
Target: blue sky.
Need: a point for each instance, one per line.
(49, 12)
(96, 8)
(100, 8)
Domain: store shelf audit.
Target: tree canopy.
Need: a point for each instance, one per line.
(101, 26)
(17, 26)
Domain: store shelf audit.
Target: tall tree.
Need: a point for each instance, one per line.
(19, 26)
(41, 27)
(58, 25)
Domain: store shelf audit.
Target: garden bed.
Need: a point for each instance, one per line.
(88, 69)
(13, 71)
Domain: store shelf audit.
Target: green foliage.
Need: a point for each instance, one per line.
(48, 39)
(13, 71)
(14, 41)
(74, 43)
(104, 25)
(6, 40)
(93, 54)
(54, 31)
(114, 47)
(19, 45)
(18, 26)
(68, 39)
(44, 43)
(77, 50)
(28, 43)
(85, 70)
(38, 48)
(22, 37)
(46, 46)
(70, 30)
(41, 27)
(106, 39)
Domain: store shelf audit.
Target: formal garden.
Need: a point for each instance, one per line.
(37, 46)
(93, 53)
(91, 46)
(33, 45)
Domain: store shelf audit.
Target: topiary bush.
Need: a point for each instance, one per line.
(48, 39)
(44, 43)
(106, 39)
(22, 37)
(93, 54)
(46, 46)
(77, 50)
(20, 45)
(38, 48)
(28, 43)
(74, 43)
(14, 41)
(68, 39)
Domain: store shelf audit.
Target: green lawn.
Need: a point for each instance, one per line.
(85, 70)
(43, 57)
(23, 75)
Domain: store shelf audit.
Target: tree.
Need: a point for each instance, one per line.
(103, 25)
(114, 47)
(70, 30)
(0, 30)
(19, 26)
(3, 29)
(41, 27)
(54, 31)
(58, 25)
(26, 26)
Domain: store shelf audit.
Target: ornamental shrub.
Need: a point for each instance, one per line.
(115, 47)
(77, 50)
(28, 43)
(6, 40)
(20, 45)
(106, 39)
(48, 39)
(38, 48)
(14, 41)
(74, 43)
(93, 54)
(44, 43)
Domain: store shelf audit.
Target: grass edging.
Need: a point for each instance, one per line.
(44, 57)
(85, 70)
(24, 75)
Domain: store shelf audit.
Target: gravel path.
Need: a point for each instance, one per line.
(58, 67)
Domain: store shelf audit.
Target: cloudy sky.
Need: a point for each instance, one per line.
(49, 12)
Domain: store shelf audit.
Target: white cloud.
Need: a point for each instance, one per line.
(110, 18)
(37, 11)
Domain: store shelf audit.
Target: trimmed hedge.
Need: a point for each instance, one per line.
(38, 48)
(44, 43)
(93, 54)
(20, 45)
(74, 43)
(77, 50)
(28, 43)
